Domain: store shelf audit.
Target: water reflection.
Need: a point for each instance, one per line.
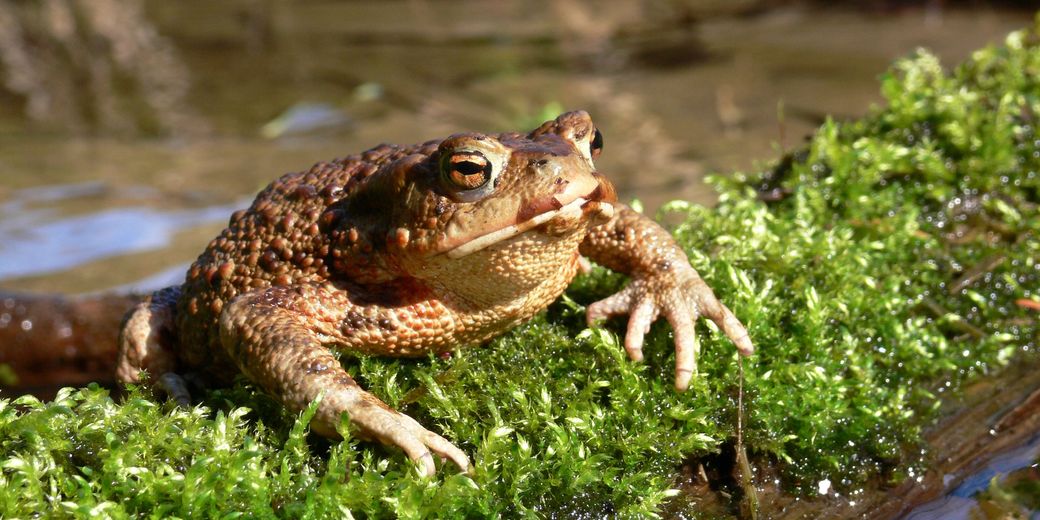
(39, 239)
(962, 503)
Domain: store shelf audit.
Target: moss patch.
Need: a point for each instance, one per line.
(891, 260)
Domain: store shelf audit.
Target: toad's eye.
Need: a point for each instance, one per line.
(596, 145)
(466, 170)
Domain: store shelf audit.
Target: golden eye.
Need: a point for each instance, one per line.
(466, 170)
(596, 145)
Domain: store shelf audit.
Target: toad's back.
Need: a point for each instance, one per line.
(285, 237)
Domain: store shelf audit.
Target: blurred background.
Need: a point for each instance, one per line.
(131, 129)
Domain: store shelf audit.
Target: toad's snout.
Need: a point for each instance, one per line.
(589, 186)
(586, 199)
(599, 205)
(590, 192)
(604, 190)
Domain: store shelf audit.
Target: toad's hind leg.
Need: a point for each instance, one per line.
(277, 338)
(146, 344)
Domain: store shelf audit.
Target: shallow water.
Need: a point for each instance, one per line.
(960, 504)
(119, 163)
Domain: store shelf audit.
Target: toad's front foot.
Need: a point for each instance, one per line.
(682, 296)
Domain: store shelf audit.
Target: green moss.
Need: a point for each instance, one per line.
(882, 272)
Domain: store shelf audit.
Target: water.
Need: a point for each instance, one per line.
(40, 240)
(960, 504)
(170, 124)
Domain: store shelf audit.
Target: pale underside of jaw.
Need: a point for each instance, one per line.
(572, 210)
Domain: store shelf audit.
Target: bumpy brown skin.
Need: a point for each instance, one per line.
(387, 253)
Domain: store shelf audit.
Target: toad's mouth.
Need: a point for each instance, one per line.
(594, 207)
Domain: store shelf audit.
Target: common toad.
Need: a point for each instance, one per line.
(402, 251)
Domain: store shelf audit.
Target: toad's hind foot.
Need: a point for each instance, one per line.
(287, 357)
(374, 420)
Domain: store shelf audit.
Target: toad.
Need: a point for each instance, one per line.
(404, 251)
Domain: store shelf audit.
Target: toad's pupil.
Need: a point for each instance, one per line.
(468, 167)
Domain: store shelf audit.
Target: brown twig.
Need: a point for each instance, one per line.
(980, 270)
(957, 323)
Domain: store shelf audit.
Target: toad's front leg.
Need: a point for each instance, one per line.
(278, 337)
(663, 282)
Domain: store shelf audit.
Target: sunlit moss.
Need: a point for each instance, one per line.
(884, 265)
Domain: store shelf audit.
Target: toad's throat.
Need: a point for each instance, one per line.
(572, 210)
